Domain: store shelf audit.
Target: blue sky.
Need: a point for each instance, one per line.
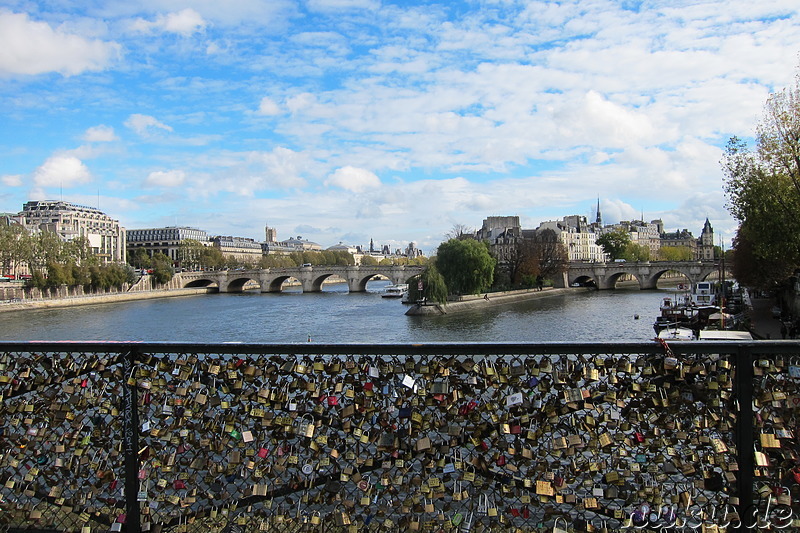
(345, 120)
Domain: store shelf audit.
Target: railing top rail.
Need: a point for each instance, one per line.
(432, 348)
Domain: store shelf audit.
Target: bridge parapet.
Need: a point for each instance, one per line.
(311, 278)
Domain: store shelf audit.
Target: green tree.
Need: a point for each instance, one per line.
(15, 245)
(636, 252)
(45, 249)
(211, 258)
(139, 258)
(434, 288)
(368, 260)
(763, 190)
(614, 243)
(465, 265)
(190, 253)
(675, 253)
(162, 268)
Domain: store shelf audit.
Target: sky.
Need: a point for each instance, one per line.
(350, 120)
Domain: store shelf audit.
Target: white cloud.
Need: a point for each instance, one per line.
(100, 134)
(353, 179)
(11, 180)
(185, 22)
(170, 178)
(61, 171)
(338, 5)
(31, 47)
(143, 124)
(268, 107)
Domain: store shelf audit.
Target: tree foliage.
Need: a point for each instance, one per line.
(763, 190)
(614, 243)
(162, 268)
(675, 253)
(434, 288)
(465, 265)
(636, 252)
(536, 256)
(14, 247)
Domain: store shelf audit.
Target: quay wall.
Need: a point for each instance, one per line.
(479, 301)
(19, 304)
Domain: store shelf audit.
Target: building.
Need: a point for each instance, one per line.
(164, 240)
(645, 234)
(107, 239)
(240, 249)
(501, 233)
(299, 244)
(578, 237)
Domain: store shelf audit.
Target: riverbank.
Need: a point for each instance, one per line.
(47, 303)
(477, 301)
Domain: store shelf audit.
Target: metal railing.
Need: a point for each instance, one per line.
(451, 437)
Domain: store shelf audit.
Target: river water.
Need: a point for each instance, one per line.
(336, 316)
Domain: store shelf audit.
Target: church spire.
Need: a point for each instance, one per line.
(599, 219)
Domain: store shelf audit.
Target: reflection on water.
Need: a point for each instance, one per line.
(335, 316)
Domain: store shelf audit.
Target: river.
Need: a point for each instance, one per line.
(336, 316)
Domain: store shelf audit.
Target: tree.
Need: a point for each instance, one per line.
(459, 232)
(465, 265)
(162, 268)
(763, 190)
(434, 288)
(368, 260)
(675, 253)
(614, 242)
(140, 259)
(15, 245)
(190, 253)
(636, 252)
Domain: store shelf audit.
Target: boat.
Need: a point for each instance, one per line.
(699, 308)
(677, 334)
(395, 291)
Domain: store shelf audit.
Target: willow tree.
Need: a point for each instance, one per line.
(763, 190)
(466, 265)
(434, 288)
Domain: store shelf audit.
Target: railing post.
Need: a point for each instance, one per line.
(744, 436)
(130, 444)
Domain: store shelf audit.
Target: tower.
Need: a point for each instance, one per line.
(271, 234)
(706, 244)
(599, 219)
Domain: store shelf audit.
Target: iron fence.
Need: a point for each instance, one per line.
(433, 437)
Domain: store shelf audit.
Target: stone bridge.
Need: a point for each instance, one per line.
(647, 273)
(311, 277)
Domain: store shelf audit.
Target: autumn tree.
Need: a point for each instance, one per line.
(763, 190)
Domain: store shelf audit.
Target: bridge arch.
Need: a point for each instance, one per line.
(202, 282)
(605, 275)
(359, 284)
(276, 283)
(237, 284)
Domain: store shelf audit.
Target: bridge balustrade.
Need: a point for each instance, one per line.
(526, 437)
